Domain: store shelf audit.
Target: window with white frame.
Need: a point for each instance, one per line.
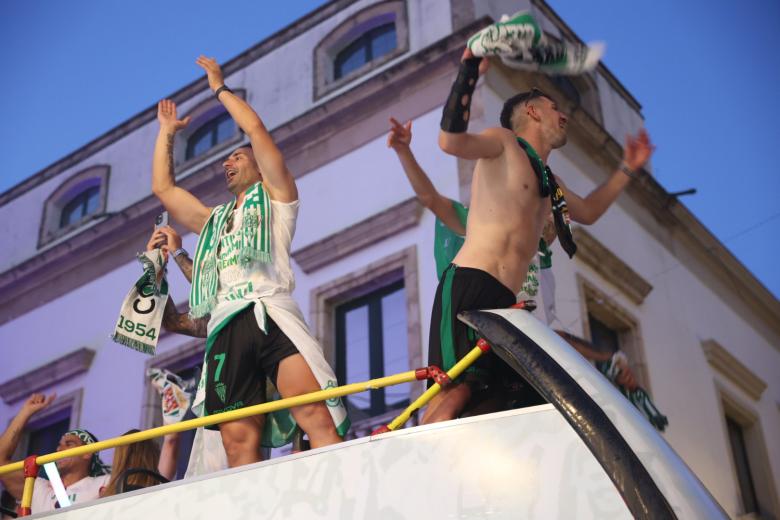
(368, 323)
(218, 130)
(747, 452)
(610, 328)
(74, 203)
(211, 130)
(365, 41)
(739, 454)
(371, 45)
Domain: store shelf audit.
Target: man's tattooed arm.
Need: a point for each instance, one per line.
(181, 204)
(181, 323)
(169, 151)
(185, 264)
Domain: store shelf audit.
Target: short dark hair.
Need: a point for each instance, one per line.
(511, 103)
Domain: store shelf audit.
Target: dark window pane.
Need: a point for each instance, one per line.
(744, 476)
(602, 336)
(199, 145)
(351, 58)
(357, 353)
(93, 199)
(368, 46)
(83, 204)
(396, 353)
(226, 128)
(371, 342)
(44, 436)
(383, 41)
(211, 133)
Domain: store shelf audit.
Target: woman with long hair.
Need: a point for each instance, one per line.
(140, 455)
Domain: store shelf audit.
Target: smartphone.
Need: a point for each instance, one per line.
(161, 220)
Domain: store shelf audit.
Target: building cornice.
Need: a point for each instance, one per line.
(669, 221)
(733, 369)
(305, 141)
(39, 378)
(612, 268)
(193, 88)
(358, 236)
(548, 12)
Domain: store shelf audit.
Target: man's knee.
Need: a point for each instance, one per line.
(448, 404)
(241, 436)
(314, 416)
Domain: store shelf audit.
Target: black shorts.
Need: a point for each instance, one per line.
(465, 289)
(240, 359)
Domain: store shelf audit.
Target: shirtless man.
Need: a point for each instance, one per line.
(510, 201)
(242, 280)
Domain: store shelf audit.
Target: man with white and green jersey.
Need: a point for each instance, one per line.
(242, 281)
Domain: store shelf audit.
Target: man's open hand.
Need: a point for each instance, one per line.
(637, 150)
(166, 115)
(213, 71)
(400, 136)
(36, 403)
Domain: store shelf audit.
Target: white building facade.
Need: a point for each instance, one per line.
(702, 333)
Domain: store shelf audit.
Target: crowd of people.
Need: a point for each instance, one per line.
(489, 255)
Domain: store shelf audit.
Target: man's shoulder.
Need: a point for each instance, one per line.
(500, 133)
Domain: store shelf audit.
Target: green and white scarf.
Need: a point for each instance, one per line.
(142, 309)
(638, 396)
(521, 44)
(255, 245)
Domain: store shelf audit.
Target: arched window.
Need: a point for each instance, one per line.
(210, 131)
(74, 203)
(361, 43)
(216, 131)
(368, 46)
(82, 205)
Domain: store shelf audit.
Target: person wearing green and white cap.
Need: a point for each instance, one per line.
(82, 476)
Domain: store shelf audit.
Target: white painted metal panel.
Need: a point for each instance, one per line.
(684, 492)
(519, 464)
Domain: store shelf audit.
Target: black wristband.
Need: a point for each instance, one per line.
(455, 118)
(628, 171)
(220, 90)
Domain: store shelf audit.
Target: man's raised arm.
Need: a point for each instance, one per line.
(277, 179)
(587, 210)
(180, 203)
(400, 139)
(9, 440)
(453, 138)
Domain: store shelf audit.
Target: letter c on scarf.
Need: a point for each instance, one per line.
(139, 311)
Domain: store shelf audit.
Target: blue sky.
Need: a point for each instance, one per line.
(705, 72)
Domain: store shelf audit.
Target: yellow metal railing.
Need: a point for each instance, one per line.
(31, 464)
(241, 413)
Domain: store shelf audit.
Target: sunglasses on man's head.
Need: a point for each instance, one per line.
(533, 94)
